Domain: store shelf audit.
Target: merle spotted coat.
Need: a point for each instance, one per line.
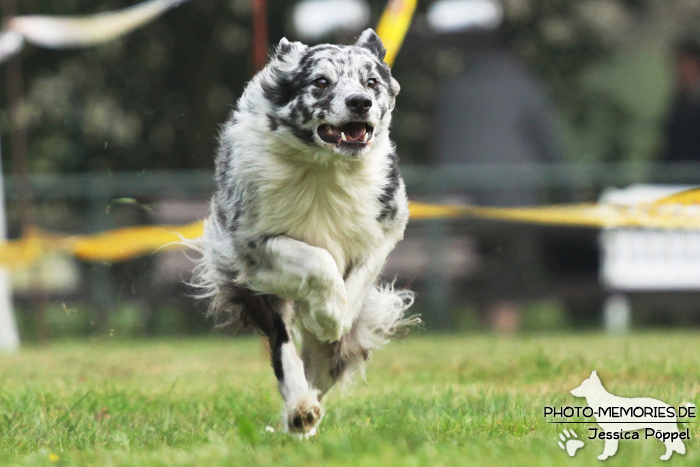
(310, 203)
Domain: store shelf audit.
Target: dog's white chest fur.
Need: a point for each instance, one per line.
(330, 207)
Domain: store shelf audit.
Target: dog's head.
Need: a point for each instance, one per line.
(589, 386)
(335, 97)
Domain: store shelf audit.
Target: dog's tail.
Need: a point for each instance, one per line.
(384, 316)
(213, 279)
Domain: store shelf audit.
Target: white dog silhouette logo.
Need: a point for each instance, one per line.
(616, 415)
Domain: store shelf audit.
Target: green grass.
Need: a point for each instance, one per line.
(428, 401)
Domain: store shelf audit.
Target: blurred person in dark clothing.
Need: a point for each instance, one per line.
(683, 127)
(495, 112)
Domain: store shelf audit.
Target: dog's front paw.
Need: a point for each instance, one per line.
(302, 415)
(324, 313)
(325, 320)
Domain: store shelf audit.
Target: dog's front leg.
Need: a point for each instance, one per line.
(362, 278)
(297, 271)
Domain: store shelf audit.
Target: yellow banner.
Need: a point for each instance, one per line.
(393, 26)
(111, 246)
(121, 244)
(679, 211)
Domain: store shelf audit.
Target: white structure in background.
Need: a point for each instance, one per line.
(446, 16)
(9, 337)
(59, 32)
(643, 259)
(316, 19)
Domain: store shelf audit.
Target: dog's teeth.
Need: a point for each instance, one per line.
(342, 136)
(365, 137)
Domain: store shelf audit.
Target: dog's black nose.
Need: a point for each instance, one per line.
(359, 103)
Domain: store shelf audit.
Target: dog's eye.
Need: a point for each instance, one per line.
(321, 83)
(371, 83)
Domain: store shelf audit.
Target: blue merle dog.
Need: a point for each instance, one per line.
(310, 204)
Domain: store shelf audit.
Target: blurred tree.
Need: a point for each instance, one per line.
(565, 42)
(154, 99)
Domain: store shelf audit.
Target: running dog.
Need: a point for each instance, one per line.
(309, 205)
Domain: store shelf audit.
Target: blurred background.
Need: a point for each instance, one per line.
(503, 103)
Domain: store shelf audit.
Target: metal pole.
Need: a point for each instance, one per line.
(18, 134)
(259, 34)
(9, 336)
(19, 149)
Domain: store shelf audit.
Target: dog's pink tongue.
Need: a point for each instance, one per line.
(354, 131)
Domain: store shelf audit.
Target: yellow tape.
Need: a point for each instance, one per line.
(21, 252)
(679, 211)
(657, 215)
(686, 197)
(111, 246)
(393, 26)
(121, 244)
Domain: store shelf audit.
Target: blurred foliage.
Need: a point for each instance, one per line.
(580, 49)
(154, 99)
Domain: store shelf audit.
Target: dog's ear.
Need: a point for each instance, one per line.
(288, 50)
(594, 375)
(395, 87)
(371, 41)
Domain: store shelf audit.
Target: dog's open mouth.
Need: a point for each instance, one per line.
(353, 134)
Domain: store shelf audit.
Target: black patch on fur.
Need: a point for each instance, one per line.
(272, 122)
(301, 108)
(307, 64)
(386, 199)
(279, 91)
(348, 269)
(307, 136)
(249, 260)
(318, 93)
(262, 311)
(338, 363)
(279, 336)
(238, 212)
(260, 241)
(343, 357)
(384, 72)
(325, 103)
(220, 216)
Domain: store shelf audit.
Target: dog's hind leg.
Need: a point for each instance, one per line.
(327, 362)
(381, 317)
(272, 314)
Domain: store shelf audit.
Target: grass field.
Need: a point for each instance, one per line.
(428, 401)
